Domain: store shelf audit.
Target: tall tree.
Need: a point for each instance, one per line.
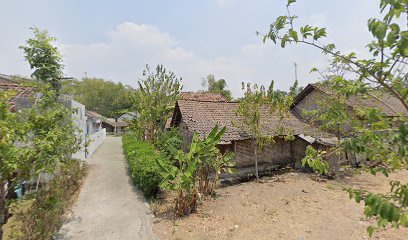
(105, 97)
(154, 101)
(217, 86)
(44, 58)
(382, 139)
(41, 138)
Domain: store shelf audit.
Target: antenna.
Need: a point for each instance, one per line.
(296, 77)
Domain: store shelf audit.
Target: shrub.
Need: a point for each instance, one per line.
(203, 160)
(168, 140)
(142, 157)
(40, 215)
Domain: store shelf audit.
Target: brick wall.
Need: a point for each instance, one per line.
(278, 153)
(310, 102)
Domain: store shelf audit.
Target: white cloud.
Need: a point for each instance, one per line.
(130, 46)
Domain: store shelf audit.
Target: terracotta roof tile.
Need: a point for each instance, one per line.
(202, 96)
(202, 116)
(390, 105)
(19, 90)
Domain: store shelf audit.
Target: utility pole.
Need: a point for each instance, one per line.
(296, 77)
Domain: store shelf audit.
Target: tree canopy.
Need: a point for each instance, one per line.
(107, 98)
(217, 86)
(154, 101)
(380, 138)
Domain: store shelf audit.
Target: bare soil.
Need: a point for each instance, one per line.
(288, 206)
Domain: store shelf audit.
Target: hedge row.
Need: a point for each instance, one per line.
(141, 157)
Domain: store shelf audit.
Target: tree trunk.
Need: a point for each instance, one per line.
(256, 161)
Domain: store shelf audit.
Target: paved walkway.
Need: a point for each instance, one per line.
(109, 207)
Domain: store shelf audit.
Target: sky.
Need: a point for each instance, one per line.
(115, 40)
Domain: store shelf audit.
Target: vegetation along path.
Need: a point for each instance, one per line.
(109, 207)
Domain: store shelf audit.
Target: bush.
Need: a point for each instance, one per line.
(167, 140)
(141, 157)
(40, 215)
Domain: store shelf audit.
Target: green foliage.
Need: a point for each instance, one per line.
(218, 86)
(382, 139)
(387, 209)
(154, 101)
(314, 159)
(169, 141)
(104, 97)
(258, 102)
(42, 138)
(141, 157)
(195, 166)
(44, 58)
(44, 217)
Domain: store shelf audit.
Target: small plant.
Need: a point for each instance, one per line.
(314, 159)
(197, 166)
(44, 209)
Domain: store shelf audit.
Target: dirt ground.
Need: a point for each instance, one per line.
(288, 206)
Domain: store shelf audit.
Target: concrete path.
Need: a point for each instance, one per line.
(109, 207)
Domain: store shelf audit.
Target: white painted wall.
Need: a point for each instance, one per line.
(95, 136)
(95, 140)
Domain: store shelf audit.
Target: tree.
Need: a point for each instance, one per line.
(44, 58)
(107, 98)
(154, 101)
(253, 106)
(382, 139)
(280, 94)
(41, 138)
(217, 86)
(11, 131)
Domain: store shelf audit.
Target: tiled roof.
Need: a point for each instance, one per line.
(20, 91)
(93, 114)
(111, 121)
(202, 96)
(202, 116)
(390, 105)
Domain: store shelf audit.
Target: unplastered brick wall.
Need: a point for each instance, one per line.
(277, 153)
(186, 134)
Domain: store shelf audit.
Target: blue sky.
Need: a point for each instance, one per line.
(115, 39)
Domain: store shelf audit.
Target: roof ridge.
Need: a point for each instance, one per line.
(213, 101)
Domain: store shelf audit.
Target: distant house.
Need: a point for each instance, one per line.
(114, 125)
(93, 122)
(312, 94)
(193, 116)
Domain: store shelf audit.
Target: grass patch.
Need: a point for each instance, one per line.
(141, 157)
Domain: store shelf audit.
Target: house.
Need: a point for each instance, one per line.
(199, 96)
(93, 122)
(125, 117)
(113, 125)
(197, 116)
(312, 94)
(25, 96)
